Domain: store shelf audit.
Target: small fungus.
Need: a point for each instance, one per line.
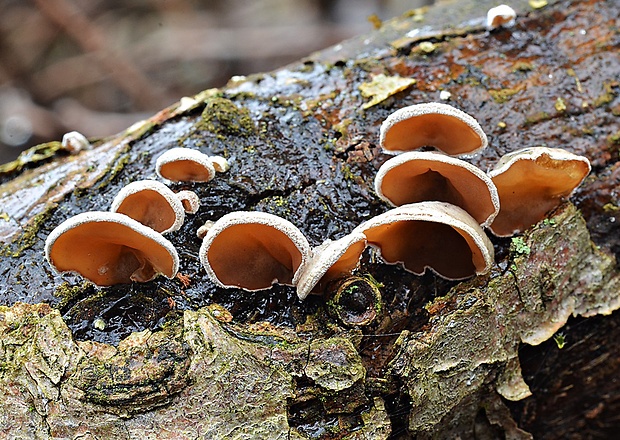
(253, 251)
(151, 203)
(110, 248)
(185, 165)
(202, 231)
(220, 163)
(501, 16)
(190, 201)
(444, 95)
(74, 142)
(429, 176)
(330, 260)
(433, 124)
(434, 235)
(531, 182)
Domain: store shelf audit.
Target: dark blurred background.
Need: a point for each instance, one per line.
(98, 66)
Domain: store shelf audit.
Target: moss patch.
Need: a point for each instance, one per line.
(31, 156)
(29, 236)
(222, 117)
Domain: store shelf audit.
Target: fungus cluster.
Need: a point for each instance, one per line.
(442, 203)
(127, 243)
(524, 186)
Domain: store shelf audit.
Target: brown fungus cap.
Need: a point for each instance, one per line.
(220, 163)
(502, 15)
(189, 200)
(253, 251)
(434, 235)
(331, 260)
(432, 124)
(110, 248)
(151, 203)
(531, 182)
(185, 165)
(428, 176)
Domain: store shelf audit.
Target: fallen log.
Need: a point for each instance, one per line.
(529, 349)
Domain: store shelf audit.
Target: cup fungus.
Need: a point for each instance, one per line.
(502, 15)
(432, 124)
(531, 182)
(428, 176)
(74, 142)
(220, 163)
(330, 260)
(151, 203)
(110, 248)
(190, 201)
(435, 235)
(185, 165)
(253, 251)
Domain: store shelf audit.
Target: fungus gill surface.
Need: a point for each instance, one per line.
(434, 235)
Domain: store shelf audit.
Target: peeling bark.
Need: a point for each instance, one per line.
(183, 359)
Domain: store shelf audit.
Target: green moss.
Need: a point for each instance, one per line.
(32, 155)
(519, 247)
(342, 127)
(28, 237)
(222, 117)
(534, 118)
(280, 201)
(560, 105)
(68, 293)
(347, 173)
(614, 139)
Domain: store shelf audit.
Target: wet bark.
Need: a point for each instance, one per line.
(530, 349)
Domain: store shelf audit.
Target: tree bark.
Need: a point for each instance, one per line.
(530, 349)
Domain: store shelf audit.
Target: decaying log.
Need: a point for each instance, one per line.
(530, 349)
